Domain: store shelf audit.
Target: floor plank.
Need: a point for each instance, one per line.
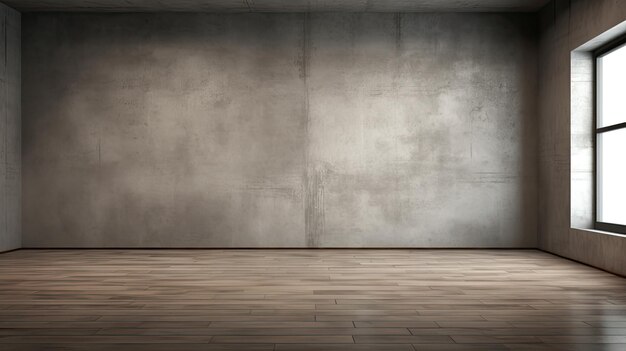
(258, 300)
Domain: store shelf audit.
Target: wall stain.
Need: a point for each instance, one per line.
(314, 176)
(314, 206)
(398, 21)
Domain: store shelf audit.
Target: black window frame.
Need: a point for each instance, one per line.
(602, 51)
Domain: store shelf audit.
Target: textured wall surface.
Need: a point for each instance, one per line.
(279, 5)
(273, 130)
(565, 27)
(10, 121)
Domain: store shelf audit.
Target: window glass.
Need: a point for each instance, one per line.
(611, 163)
(612, 87)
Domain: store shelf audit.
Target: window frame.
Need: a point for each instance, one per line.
(597, 54)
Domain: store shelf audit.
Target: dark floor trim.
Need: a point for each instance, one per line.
(7, 251)
(583, 263)
(279, 248)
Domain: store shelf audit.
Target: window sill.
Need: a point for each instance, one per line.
(597, 231)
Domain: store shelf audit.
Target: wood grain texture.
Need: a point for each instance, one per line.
(307, 300)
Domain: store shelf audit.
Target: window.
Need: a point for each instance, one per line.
(611, 138)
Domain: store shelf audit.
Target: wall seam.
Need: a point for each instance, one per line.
(310, 179)
(6, 128)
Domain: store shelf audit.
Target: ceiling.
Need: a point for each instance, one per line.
(279, 5)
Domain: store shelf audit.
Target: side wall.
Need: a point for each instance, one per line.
(566, 26)
(10, 125)
(280, 130)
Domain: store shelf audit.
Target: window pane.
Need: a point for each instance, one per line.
(612, 177)
(612, 87)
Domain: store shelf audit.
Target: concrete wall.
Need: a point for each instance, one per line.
(569, 31)
(10, 125)
(276, 130)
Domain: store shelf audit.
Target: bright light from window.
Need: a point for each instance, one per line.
(611, 137)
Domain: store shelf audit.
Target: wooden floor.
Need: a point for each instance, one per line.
(303, 300)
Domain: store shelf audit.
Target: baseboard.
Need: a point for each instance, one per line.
(279, 248)
(583, 263)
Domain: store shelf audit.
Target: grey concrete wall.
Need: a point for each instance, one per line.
(10, 125)
(275, 130)
(565, 171)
